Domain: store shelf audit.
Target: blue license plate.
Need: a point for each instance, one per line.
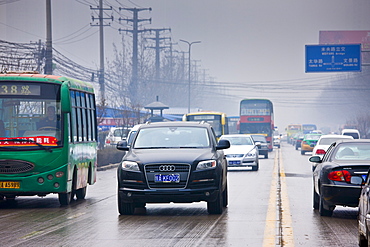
(167, 178)
(234, 162)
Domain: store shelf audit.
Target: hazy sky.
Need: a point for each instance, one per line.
(243, 42)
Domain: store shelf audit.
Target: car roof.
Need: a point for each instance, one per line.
(235, 135)
(336, 136)
(354, 141)
(175, 123)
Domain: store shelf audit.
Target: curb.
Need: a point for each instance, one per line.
(107, 167)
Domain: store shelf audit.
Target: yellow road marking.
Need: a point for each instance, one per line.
(278, 227)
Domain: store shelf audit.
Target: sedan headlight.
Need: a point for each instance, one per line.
(207, 164)
(130, 166)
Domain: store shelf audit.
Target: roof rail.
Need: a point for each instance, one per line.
(20, 72)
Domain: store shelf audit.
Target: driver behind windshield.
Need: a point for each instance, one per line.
(50, 121)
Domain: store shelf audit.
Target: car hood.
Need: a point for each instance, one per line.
(171, 155)
(238, 149)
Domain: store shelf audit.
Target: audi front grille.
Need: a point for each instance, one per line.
(154, 169)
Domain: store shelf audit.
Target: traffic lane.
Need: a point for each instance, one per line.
(309, 228)
(95, 221)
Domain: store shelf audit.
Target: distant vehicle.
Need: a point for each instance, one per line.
(243, 153)
(298, 141)
(177, 162)
(351, 132)
(218, 120)
(324, 143)
(277, 141)
(291, 130)
(263, 148)
(339, 174)
(257, 117)
(233, 123)
(308, 128)
(116, 134)
(308, 143)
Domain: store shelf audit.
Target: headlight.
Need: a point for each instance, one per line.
(130, 166)
(206, 164)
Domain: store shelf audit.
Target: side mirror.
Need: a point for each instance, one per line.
(356, 180)
(223, 144)
(258, 144)
(122, 145)
(315, 159)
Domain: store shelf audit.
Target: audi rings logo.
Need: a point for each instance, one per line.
(167, 168)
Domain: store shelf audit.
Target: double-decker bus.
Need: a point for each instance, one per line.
(257, 117)
(218, 120)
(308, 128)
(48, 136)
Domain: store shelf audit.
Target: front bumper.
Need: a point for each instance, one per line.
(168, 195)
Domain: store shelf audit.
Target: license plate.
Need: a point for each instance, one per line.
(234, 162)
(167, 178)
(10, 185)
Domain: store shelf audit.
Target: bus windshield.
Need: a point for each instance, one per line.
(213, 120)
(30, 112)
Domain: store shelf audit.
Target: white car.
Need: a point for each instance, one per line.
(115, 135)
(243, 152)
(324, 142)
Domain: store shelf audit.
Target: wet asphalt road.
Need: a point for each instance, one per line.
(265, 209)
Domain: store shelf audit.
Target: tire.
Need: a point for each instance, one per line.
(303, 152)
(316, 200)
(362, 241)
(81, 193)
(266, 155)
(65, 198)
(255, 168)
(296, 148)
(125, 208)
(225, 198)
(323, 208)
(216, 207)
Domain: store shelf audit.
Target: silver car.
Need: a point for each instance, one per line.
(243, 152)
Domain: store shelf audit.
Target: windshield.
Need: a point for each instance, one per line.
(238, 140)
(256, 128)
(33, 115)
(213, 120)
(353, 151)
(172, 137)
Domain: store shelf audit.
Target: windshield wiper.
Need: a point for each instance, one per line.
(28, 140)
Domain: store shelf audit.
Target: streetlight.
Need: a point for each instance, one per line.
(189, 44)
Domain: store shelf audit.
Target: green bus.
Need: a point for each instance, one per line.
(48, 136)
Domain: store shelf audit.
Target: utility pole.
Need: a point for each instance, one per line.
(48, 69)
(135, 31)
(158, 48)
(101, 39)
(189, 77)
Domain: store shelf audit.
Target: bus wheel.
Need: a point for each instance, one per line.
(65, 198)
(81, 193)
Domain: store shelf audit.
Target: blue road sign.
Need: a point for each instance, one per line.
(333, 58)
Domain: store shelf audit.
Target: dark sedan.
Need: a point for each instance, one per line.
(336, 175)
(363, 214)
(173, 162)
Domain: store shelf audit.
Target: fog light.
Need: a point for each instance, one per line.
(40, 180)
(56, 185)
(207, 193)
(129, 194)
(50, 177)
(59, 174)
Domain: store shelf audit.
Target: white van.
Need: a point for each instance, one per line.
(351, 132)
